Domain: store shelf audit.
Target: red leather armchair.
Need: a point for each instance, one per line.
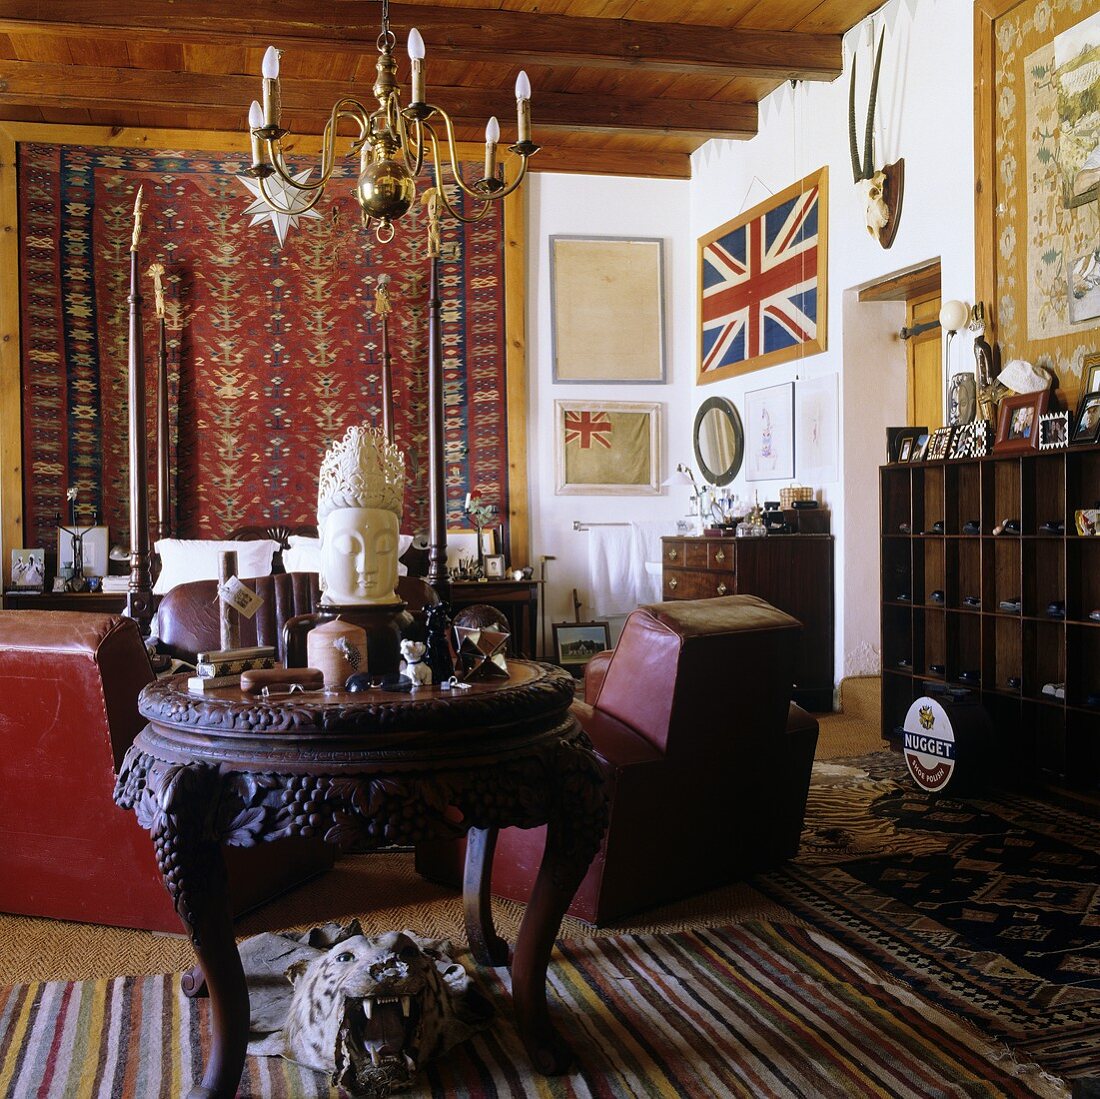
(708, 761)
(69, 685)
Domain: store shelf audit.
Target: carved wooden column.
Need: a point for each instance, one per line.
(139, 598)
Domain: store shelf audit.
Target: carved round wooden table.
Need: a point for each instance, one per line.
(364, 771)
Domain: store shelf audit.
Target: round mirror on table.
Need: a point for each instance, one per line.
(719, 440)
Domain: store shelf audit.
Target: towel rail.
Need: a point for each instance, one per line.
(579, 524)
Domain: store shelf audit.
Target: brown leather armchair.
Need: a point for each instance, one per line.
(69, 684)
(186, 621)
(708, 761)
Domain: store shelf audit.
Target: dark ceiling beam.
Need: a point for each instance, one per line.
(306, 103)
(473, 34)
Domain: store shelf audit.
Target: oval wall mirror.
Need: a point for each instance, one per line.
(719, 440)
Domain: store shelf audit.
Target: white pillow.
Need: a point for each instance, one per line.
(304, 554)
(182, 560)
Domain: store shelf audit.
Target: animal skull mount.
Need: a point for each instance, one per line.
(882, 190)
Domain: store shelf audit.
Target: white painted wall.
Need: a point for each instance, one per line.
(926, 102)
(602, 206)
(926, 115)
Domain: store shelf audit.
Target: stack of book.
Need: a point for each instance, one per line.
(223, 667)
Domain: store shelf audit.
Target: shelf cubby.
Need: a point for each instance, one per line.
(1048, 740)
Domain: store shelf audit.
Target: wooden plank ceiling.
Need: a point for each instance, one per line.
(619, 86)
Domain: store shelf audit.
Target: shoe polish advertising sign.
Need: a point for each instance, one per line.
(928, 742)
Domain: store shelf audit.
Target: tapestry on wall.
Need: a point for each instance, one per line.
(272, 352)
(762, 283)
(1047, 157)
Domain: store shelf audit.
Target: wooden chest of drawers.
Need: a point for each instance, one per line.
(793, 572)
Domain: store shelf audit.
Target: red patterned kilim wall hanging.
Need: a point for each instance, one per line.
(272, 354)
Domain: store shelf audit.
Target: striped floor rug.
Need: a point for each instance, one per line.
(751, 1010)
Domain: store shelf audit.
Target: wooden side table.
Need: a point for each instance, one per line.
(363, 771)
(99, 602)
(517, 600)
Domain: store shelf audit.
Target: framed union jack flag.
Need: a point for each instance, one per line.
(762, 283)
(607, 447)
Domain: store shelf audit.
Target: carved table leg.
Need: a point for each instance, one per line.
(573, 834)
(193, 983)
(190, 858)
(487, 947)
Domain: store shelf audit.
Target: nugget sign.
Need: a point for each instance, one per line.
(929, 745)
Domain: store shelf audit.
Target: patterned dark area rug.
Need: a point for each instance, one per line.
(989, 906)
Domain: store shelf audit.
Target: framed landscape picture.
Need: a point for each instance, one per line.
(762, 283)
(575, 643)
(608, 448)
(607, 303)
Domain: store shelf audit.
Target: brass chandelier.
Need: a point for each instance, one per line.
(392, 144)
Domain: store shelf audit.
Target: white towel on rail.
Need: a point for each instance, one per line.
(646, 546)
(611, 581)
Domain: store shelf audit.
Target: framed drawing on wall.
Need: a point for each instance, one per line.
(762, 283)
(607, 303)
(605, 448)
(769, 433)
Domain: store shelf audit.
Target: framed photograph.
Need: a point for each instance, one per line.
(575, 643)
(1086, 425)
(894, 436)
(769, 433)
(94, 545)
(920, 448)
(981, 438)
(28, 569)
(1090, 373)
(1018, 422)
(494, 566)
(762, 283)
(1054, 431)
(939, 443)
(906, 451)
(607, 303)
(488, 541)
(607, 448)
(960, 442)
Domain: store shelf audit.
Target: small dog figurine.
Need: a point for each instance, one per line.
(415, 669)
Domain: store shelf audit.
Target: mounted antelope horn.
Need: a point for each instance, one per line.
(867, 169)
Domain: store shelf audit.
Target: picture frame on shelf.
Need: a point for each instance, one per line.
(494, 566)
(600, 288)
(981, 438)
(939, 443)
(769, 433)
(920, 448)
(607, 448)
(906, 449)
(575, 643)
(960, 442)
(28, 569)
(1086, 424)
(894, 436)
(1090, 373)
(1053, 430)
(1018, 422)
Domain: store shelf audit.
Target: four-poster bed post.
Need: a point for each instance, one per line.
(437, 577)
(139, 598)
(163, 493)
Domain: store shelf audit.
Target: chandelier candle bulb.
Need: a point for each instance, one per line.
(271, 86)
(255, 122)
(416, 56)
(492, 136)
(523, 107)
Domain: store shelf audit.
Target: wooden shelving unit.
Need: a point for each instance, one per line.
(942, 590)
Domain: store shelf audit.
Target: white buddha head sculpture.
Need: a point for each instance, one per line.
(359, 499)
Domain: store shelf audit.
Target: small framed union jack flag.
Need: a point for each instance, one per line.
(607, 448)
(762, 283)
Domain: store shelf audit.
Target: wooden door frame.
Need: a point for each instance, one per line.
(910, 345)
